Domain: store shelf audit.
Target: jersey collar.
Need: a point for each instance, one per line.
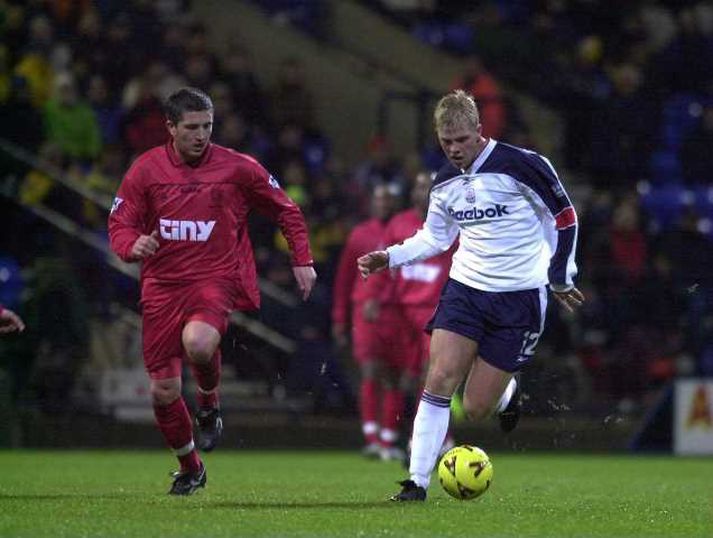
(478, 162)
(176, 160)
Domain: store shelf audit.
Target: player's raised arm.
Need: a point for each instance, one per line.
(268, 198)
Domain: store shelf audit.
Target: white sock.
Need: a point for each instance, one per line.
(507, 395)
(370, 428)
(429, 430)
(388, 437)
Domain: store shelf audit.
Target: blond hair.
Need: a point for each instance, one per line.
(456, 109)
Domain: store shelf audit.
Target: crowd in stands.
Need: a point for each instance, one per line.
(81, 85)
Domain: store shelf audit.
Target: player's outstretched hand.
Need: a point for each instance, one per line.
(570, 299)
(145, 246)
(373, 262)
(305, 276)
(10, 322)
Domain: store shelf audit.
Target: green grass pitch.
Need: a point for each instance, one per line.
(105, 493)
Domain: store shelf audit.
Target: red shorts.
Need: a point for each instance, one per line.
(416, 340)
(364, 341)
(377, 340)
(167, 307)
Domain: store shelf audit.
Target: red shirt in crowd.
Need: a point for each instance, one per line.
(200, 211)
(417, 284)
(350, 289)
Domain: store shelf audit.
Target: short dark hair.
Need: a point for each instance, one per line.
(186, 100)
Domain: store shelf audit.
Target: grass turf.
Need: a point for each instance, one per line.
(105, 493)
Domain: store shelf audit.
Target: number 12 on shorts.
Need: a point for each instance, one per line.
(529, 341)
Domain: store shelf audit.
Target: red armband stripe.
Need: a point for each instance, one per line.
(565, 218)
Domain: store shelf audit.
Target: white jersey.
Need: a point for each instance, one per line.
(516, 225)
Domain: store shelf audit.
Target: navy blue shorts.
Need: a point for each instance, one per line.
(506, 325)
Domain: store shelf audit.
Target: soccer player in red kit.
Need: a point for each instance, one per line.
(181, 211)
(411, 294)
(348, 309)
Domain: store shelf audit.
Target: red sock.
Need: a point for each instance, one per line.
(207, 377)
(174, 421)
(392, 410)
(368, 395)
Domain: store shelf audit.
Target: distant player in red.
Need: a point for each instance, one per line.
(348, 311)
(9, 321)
(182, 211)
(408, 296)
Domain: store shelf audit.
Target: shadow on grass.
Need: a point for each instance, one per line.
(60, 496)
(272, 505)
(205, 503)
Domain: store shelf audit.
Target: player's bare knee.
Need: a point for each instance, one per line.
(199, 350)
(475, 410)
(442, 381)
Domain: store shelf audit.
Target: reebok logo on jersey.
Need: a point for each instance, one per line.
(420, 272)
(186, 230)
(475, 213)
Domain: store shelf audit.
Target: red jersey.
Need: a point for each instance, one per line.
(349, 288)
(417, 284)
(200, 211)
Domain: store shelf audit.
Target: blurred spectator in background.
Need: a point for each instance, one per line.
(36, 69)
(144, 124)
(118, 68)
(198, 71)
(71, 123)
(686, 65)
(172, 50)
(234, 132)
(249, 98)
(23, 123)
(697, 151)
(380, 167)
(292, 102)
(582, 93)
(350, 316)
(406, 299)
(483, 86)
(628, 248)
(106, 109)
(37, 184)
(91, 55)
(224, 101)
(622, 139)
